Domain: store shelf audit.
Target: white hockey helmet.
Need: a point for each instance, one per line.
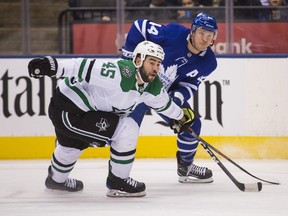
(147, 48)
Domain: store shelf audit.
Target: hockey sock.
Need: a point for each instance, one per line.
(63, 161)
(187, 149)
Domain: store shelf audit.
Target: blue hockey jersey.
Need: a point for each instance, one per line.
(181, 71)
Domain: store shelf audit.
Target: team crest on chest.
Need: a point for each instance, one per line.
(168, 76)
(126, 71)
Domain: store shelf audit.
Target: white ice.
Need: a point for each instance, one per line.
(22, 190)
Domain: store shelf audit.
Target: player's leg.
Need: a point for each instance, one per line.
(187, 170)
(64, 156)
(122, 154)
(187, 148)
(62, 163)
(75, 132)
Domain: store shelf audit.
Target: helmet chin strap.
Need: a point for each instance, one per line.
(193, 44)
(140, 76)
(138, 72)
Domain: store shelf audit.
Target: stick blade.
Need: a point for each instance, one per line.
(253, 187)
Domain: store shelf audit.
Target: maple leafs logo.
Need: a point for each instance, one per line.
(168, 76)
(171, 71)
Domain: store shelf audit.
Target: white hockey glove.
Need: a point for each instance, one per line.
(40, 67)
(180, 126)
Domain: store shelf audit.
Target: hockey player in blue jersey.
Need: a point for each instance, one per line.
(188, 61)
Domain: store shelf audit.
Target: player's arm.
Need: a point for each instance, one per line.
(181, 118)
(182, 125)
(183, 92)
(51, 67)
(46, 66)
(141, 30)
(186, 88)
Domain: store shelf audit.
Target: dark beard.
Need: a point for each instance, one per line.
(144, 76)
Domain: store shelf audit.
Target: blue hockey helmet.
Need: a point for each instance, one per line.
(206, 22)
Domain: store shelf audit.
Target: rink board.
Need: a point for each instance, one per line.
(153, 147)
(243, 108)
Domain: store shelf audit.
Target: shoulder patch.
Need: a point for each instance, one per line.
(126, 71)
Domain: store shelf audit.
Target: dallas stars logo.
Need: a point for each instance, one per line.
(126, 71)
(102, 125)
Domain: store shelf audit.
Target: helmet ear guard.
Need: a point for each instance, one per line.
(147, 48)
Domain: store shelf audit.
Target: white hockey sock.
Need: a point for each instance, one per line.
(63, 161)
(121, 170)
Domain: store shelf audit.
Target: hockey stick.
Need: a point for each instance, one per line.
(250, 187)
(230, 160)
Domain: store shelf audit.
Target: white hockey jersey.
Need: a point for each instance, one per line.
(111, 86)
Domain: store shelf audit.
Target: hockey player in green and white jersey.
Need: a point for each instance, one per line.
(91, 106)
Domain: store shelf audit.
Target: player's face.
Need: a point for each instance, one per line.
(276, 2)
(202, 39)
(150, 68)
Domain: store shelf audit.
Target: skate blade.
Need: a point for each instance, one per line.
(118, 193)
(191, 179)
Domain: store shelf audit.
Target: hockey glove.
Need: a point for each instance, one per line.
(40, 67)
(180, 126)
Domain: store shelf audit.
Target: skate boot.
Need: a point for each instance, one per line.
(192, 173)
(71, 185)
(127, 187)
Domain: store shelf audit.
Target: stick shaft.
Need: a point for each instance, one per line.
(227, 158)
(255, 187)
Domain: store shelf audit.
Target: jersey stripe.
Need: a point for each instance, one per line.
(122, 161)
(61, 164)
(189, 86)
(88, 74)
(69, 126)
(166, 107)
(79, 93)
(122, 153)
(81, 69)
(144, 29)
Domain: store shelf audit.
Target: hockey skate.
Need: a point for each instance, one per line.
(127, 187)
(192, 173)
(71, 185)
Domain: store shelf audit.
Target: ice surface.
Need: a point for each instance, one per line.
(22, 190)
